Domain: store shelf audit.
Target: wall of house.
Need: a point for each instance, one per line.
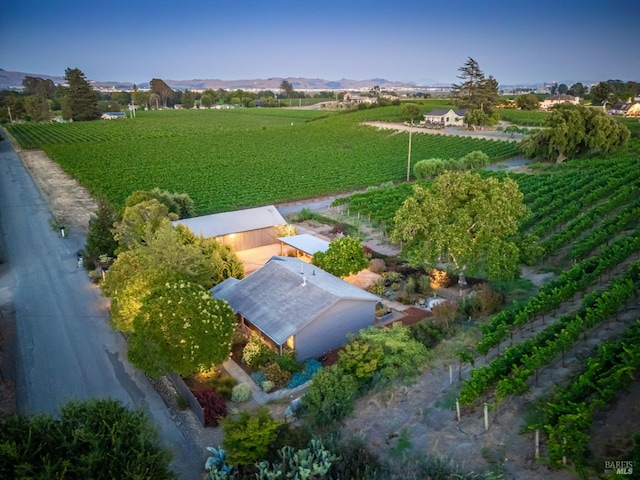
(251, 239)
(330, 330)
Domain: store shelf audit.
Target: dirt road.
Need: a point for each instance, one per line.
(487, 132)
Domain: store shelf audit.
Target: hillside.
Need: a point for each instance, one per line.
(13, 81)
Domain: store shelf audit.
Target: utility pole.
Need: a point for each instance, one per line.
(409, 158)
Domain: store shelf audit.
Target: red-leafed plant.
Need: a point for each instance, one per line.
(214, 404)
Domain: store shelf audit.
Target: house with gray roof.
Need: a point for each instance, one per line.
(445, 117)
(244, 229)
(295, 305)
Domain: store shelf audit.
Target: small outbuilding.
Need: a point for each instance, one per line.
(292, 304)
(244, 229)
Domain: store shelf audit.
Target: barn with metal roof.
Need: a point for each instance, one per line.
(244, 229)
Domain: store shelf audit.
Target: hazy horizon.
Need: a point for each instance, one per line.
(517, 42)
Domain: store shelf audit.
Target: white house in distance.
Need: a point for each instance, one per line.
(443, 117)
(244, 229)
(553, 100)
(293, 304)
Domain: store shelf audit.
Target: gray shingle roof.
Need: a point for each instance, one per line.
(285, 295)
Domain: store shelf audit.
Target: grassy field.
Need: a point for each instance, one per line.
(229, 159)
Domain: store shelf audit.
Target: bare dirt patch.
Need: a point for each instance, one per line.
(71, 204)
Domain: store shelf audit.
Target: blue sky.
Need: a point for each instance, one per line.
(422, 41)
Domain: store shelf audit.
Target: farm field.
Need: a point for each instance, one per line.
(559, 361)
(230, 159)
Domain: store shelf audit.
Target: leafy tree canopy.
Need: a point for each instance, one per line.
(344, 256)
(571, 131)
(160, 88)
(182, 328)
(528, 101)
(475, 91)
(164, 254)
(179, 203)
(463, 219)
(93, 439)
(410, 111)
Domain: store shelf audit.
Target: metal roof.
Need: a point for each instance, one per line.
(219, 224)
(285, 295)
(306, 243)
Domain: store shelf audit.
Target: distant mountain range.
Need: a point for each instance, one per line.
(13, 81)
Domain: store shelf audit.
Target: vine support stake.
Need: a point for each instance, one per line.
(486, 416)
(458, 409)
(537, 443)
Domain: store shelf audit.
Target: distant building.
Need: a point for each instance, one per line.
(113, 115)
(445, 117)
(554, 100)
(629, 109)
(357, 99)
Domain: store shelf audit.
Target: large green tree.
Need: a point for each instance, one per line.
(37, 108)
(574, 130)
(182, 328)
(344, 256)
(475, 91)
(160, 88)
(99, 438)
(602, 94)
(163, 254)
(465, 221)
(410, 111)
(287, 88)
(100, 239)
(81, 101)
(528, 101)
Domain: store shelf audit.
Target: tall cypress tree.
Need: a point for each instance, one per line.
(81, 101)
(475, 91)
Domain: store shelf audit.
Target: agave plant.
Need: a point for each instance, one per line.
(216, 466)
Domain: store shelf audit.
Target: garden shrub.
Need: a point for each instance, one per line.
(311, 366)
(360, 359)
(214, 404)
(377, 288)
(289, 362)
(330, 397)
(402, 354)
(424, 284)
(444, 314)
(258, 377)
(439, 279)
(267, 385)
(241, 393)
(391, 277)
(428, 335)
(276, 374)
(377, 265)
(247, 439)
(483, 301)
(256, 354)
(223, 384)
